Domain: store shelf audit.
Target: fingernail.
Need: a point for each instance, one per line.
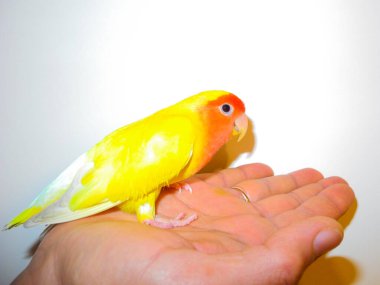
(327, 240)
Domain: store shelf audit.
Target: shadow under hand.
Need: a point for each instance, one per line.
(346, 219)
(231, 151)
(336, 270)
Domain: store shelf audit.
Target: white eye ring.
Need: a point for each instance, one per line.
(226, 109)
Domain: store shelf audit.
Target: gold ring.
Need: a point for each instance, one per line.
(245, 196)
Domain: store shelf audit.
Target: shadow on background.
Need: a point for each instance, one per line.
(231, 151)
(335, 270)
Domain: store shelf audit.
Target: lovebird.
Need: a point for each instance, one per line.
(129, 167)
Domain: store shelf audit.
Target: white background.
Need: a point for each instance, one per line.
(72, 71)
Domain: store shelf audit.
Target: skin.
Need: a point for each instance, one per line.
(289, 222)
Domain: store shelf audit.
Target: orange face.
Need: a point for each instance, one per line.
(225, 118)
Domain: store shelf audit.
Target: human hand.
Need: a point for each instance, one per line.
(289, 222)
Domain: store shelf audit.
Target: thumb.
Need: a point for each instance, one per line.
(298, 245)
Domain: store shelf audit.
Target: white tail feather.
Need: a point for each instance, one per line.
(55, 214)
(59, 211)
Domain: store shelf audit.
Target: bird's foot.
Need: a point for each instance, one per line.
(181, 186)
(167, 223)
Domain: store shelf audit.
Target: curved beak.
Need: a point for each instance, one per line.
(240, 126)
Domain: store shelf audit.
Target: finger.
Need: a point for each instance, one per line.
(296, 246)
(308, 191)
(231, 176)
(277, 204)
(333, 201)
(258, 189)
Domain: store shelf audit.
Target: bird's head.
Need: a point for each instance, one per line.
(224, 114)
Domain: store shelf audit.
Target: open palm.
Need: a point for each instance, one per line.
(288, 222)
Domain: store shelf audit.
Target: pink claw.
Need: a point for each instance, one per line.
(167, 223)
(180, 186)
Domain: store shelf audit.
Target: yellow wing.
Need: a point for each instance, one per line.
(144, 156)
(128, 164)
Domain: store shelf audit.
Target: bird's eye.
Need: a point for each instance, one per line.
(226, 109)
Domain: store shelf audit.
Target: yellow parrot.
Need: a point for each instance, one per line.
(130, 166)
